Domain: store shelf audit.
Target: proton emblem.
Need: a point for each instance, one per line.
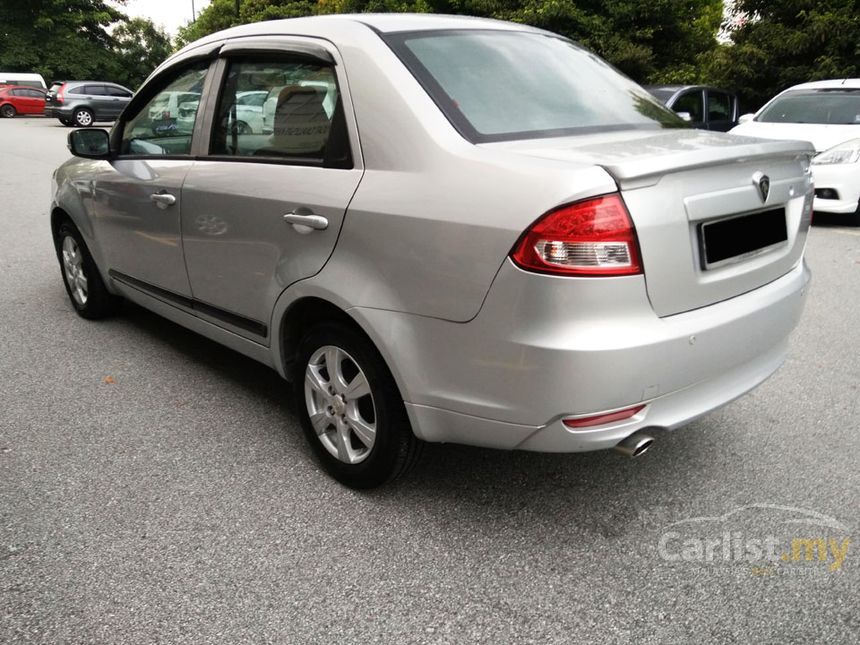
(762, 183)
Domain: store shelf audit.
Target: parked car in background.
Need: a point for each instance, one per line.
(23, 80)
(708, 108)
(15, 100)
(83, 103)
(827, 114)
(463, 249)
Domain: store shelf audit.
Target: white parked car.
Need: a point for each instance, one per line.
(827, 114)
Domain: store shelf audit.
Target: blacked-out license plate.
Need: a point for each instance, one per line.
(732, 239)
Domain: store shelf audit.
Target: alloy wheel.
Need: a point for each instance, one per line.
(74, 269)
(84, 118)
(340, 404)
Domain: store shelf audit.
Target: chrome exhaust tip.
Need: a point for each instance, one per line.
(635, 445)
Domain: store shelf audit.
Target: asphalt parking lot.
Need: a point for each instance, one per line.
(155, 488)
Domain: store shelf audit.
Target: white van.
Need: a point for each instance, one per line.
(28, 80)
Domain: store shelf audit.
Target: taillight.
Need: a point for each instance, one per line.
(58, 97)
(594, 237)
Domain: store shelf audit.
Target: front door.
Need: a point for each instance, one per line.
(262, 211)
(138, 197)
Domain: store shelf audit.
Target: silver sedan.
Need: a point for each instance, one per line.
(455, 230)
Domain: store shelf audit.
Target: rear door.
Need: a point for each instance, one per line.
(100, 101)
(118, 99)
(138, 194)
(261, 211)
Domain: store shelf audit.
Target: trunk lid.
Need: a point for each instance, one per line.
(678, 184)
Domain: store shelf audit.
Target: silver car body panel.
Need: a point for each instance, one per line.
(417, 251)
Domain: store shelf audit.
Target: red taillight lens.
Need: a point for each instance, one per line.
(594, 237)
(600, 419)
(58, 97)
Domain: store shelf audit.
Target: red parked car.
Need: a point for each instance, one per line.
(17, 99)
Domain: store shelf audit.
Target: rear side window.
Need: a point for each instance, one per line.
(279, 109)
(116, 91)
(78, 91)
(498, 85)
(719, 106)
(165, 124)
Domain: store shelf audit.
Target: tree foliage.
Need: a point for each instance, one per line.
(653, 40)
(779, 43)
(139, 47)
(78, 39)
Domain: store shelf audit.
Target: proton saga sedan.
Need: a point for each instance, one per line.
(490, 237)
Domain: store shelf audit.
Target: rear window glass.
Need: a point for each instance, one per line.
(833, 107)
(499, 85)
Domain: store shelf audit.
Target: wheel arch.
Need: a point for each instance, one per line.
(295, 312)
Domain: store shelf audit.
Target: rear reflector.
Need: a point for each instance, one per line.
(594, 237)
(601, 419)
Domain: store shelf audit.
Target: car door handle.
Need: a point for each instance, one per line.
(163, 200)
(305, 223)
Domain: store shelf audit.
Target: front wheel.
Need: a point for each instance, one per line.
(350, 408)
(84, 283)
(83, 118)
(8, 111)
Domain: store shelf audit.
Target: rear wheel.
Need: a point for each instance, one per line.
(83, 118)
(8, 111)
(84, 283)
(350, 408)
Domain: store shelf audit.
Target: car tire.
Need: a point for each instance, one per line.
(8, 111)
(84, 284)
(360, 430)
(83, 118)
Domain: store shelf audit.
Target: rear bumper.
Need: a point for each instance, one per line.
(58, 112)
(535, 355)
(845, 180)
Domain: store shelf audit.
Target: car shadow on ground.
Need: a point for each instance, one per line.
(604, 487)
(831, 220)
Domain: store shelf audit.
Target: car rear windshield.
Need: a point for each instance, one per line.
(833, 107)
(502, 85)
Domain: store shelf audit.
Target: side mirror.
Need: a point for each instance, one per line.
(685, 115)
(746, 117)
(89, 143)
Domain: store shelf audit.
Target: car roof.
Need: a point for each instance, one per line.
(682, 88)
(7, 86)
(831, 84)
(354, 25)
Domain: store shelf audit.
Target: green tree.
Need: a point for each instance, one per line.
(139, 47)
(58, 38)
(778, 43)
(656, 40)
